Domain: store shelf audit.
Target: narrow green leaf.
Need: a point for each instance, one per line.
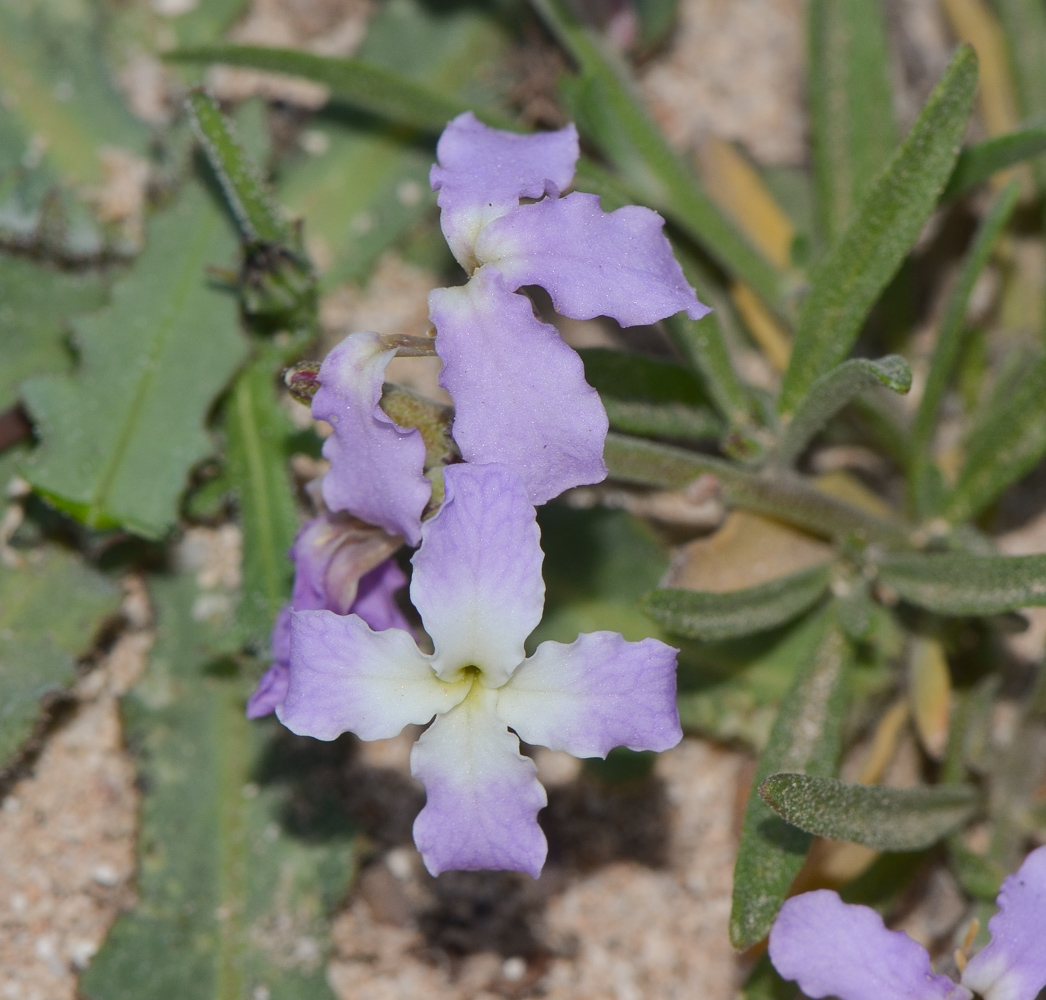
(881, 232)
(851, 104)
(50, 610)
(1024, 23)
(36, 304)
(806, 736)
(961, 584)
(370, 88)
(612, 116)
(121, 433)
(232, 900)
(259, 218)
(645, 395)
(979, 162)
(980, 877)
(887, 819)
(1007, 443)
(950, 338)
(787, 497)
(257, 441)
(710, 616)
(832, 391)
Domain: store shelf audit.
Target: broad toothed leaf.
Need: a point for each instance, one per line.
(120, 434)
(50, 609)
(239, 865)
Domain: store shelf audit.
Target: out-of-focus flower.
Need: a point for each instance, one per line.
(832, 948)
(477, 585)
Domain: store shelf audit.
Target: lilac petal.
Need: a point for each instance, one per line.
(376, 466)
(1012, 966)
(344, 677)
(270, 692)
(332, 554)
(592, 263)
(376, 599)
(520, 395)
(832, 948)
(595, 694)
(477, 576)
(482, 173)
(482, 796)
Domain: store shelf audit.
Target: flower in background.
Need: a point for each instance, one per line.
(477, 585)
(340, 565)
(831, 948)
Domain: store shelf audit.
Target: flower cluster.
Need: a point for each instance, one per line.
(835, 949)
(528, 427)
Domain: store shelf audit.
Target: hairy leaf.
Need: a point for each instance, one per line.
(806, 736)
(704, 615)
(610, 115)
(961, 584)
(851, 104)
(979, 162)
(1024, 23)
(950, 337)
(886, 819)
(881, 232)
(50, 609)
(257, 441)
(233, 893)
(1007, 443)
(832, 391)
(259, 218)
(121, 433)
(644, 395)
(787, 497)
(36, 303)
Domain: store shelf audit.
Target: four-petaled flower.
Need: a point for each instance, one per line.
(477, 585)
(832, 948)
(344, 566)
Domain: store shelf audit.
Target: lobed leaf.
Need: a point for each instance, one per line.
(251, 202)
(735, 613)
(257, 433)
(832, 391)
(647, 396)
(807, 734)
(961, 584)
(1007, 443)
(612, 116)
(858, 266)
(949, 340)
(232, 899)
(853, 131)
(886, 819)
(36, 303)
(979, 162)
(50, 610)
(119, 435)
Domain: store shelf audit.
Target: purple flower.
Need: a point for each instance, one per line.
(519, 392)
(831, 948)
(477, 584)
(343, 566)
(377, 467)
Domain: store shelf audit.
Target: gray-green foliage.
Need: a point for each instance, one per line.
(881, 231)
(121, 432)
(232, 897)
(51, 608)
(806, 737)
(887, 819)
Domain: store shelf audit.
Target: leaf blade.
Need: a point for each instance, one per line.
(977, 163)
(712, 616)
(855, 270)
(883, 818)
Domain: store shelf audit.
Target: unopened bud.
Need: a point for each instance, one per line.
(303, 381)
